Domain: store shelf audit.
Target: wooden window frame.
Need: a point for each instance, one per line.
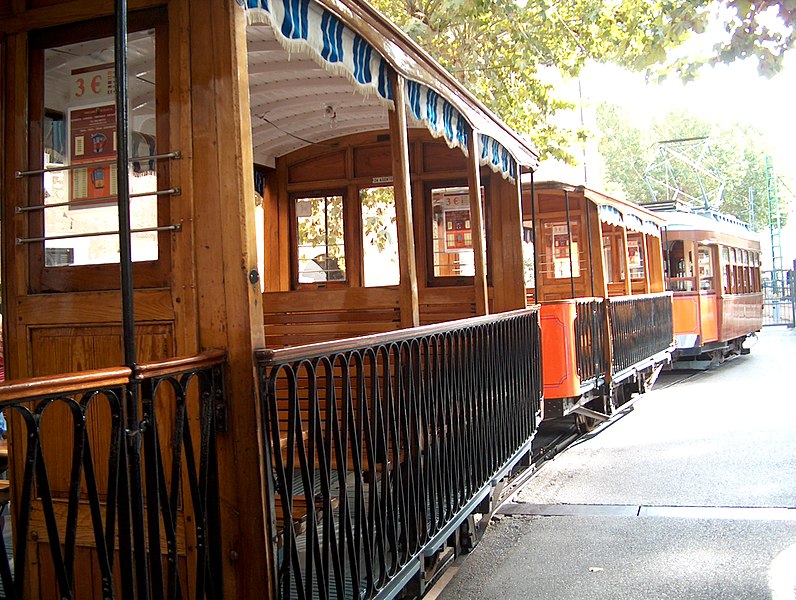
(434, 281)
(353, 256)
(146, 274)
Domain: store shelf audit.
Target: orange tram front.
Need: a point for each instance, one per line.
(713, 268)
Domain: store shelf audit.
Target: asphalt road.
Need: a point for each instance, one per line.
(689, 495)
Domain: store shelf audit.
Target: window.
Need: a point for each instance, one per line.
(680, 267)
(527, 254)
(705, 263)
(451, 232)
(379, 237)
(320, 239)
(561, 250)
(73, 207)
(82, 90)
(635, 256)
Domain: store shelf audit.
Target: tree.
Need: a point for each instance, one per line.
(500, 49)
(734, 154)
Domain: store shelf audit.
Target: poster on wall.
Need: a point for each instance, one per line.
(635, 259)
(92, 136)
(455, 205)
(458, 234)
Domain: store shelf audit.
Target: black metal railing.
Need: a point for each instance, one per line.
(641, 327)
(111, 509)
(381, 446)
(590, 338)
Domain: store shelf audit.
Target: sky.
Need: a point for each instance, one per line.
(724, 94)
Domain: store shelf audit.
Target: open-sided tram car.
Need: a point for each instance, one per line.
(713, 268)
(606, 318)
(271, 389)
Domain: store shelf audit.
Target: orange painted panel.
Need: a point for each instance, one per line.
(709, 318)
(559, 361)
(686, 314)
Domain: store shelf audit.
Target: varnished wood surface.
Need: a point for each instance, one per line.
(179, 364)
(63, 384)
(407, 259)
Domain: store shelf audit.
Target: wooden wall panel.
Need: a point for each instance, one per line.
(330, 166)
(437, 157)
(373, 161)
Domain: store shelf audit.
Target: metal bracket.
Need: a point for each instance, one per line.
(587, 412)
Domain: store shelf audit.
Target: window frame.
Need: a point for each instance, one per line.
(348, 243)
(95, 277)
(432, 280)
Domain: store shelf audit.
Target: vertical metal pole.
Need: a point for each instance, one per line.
(535, 248)
(132, 444)
(591, 252)
(123, 185)
(569, 249)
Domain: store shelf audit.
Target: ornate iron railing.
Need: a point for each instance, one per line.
(641, 327)
(381, 446)
(590, 338)
(113, 474)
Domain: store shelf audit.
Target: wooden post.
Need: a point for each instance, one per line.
(506, 245)
(476, 225)
(647, 266)
(628, 285)
(598, 265)
(409, 303)
(230, 313)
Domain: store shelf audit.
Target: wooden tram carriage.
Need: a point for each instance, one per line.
(606, 319)
(713, 268)
(301, 408)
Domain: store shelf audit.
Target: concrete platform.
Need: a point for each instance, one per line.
(691, 494)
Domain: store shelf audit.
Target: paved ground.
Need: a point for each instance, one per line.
(692, 494)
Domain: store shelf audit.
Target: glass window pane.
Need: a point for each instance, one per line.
(379, 237)
(80, 131)
(527, 254)
(320, 239)
(635, 255)
(451, 232)
(561, 250)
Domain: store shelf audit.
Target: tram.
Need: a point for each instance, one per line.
(713, 268)
(265, 320)
(606, 318)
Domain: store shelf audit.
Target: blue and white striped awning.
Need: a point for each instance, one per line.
(610, 215)
(633, 223)
(651, 228)
(497, 157)
(438, 115)
(306, 25)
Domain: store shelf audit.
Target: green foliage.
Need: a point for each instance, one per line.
(733, 153)
(500, 49)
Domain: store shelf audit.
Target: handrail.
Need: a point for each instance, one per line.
(171, 366)
(335, 346)
(638, 296)
(51, 385)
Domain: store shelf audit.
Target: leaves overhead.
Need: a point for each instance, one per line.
(501, 49)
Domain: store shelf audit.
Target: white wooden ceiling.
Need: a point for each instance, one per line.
(295, 102)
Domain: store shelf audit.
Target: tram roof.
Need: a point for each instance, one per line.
(720, 226)
(305, 90)
(623, 207)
